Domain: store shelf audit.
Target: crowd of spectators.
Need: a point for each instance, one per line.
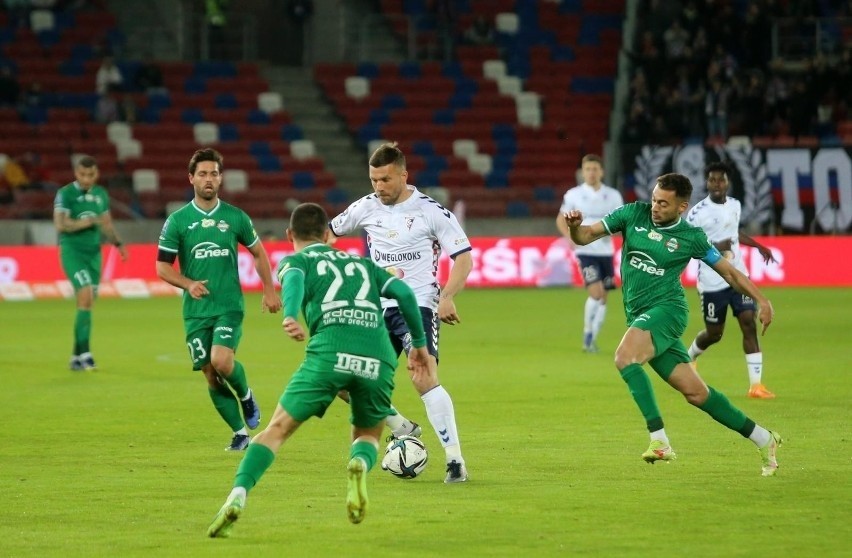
(708, 69)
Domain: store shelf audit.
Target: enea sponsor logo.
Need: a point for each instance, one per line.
(206, 250)
(644, 262)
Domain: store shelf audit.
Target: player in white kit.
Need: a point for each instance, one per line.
(595, 200)
(406, 232)
(719, 216)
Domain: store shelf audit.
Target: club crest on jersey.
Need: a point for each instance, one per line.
(223, 226)
(207, 223)
(408, 222)
(654, 235)
(671, 245)
(392, 234)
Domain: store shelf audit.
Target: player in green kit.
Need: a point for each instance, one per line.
(349, 348)
(204, 236)
(657, 246)
(81, 215)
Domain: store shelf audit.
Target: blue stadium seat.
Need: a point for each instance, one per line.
(228, 132)
(259, 148)
(410, 70)
(191, 116)
(336, 196)
(303, 180)
(159, 100)
(194, 85)
(497, 179)
(444, 116)
(71, 68)
(268, 163)
(225, 101)
(257, 116)
(544, 194)
(517, 209)
(291, 132)
(423, 148)
(379, 117)
(368, 70)
(393, 101)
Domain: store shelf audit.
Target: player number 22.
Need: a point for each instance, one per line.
(329, 301)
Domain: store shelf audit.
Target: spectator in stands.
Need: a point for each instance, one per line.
(106, 109)
(300, 12)
(149, 77)
(127, 110)
(716, 109)
(445, 16)
(109, 76)
(677, 40)
(216, 12)
(10, 91)
(32, 102)
(480, 32)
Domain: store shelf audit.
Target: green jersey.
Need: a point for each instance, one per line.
(205, 243)
(342, 301)
(79, 204)
(653, 258)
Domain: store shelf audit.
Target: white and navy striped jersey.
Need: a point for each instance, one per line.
(595, 204)
(407, 238)
(721, 221)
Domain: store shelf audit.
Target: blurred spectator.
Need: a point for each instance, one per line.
(108, 76)
(216, 12)
(445, 15)
(301, 11)
(676, 39)
(106, 109)
(716, 109)
(480, 32)
(10, 91)
(27, 172)
(149, 77)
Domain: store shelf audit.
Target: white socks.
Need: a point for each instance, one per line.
(439, 409)
(589, 312)
(760, 436)
(694, 351)
(754, 363)
(660, 435)
(598, 319)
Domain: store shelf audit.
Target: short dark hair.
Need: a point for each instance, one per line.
(308, 221)
(717, 166)
(207, 154)
(678, 183)
(592, 158)
(86, 161)
(387, 154)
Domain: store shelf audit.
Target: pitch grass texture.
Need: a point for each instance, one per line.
(129, 460)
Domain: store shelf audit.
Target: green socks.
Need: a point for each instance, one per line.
(366, 451)
(227, 406)
(82, 331)
(257, 460)
(237, 380)
(724, 412)
(640, 388)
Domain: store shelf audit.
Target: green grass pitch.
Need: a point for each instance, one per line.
(129, 460)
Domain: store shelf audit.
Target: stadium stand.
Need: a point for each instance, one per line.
(145, 142)
(529, 105)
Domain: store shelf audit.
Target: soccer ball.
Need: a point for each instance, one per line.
(405, 457)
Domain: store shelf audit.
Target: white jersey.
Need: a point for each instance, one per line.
(407, 238)
(721, 221)
(595, 205)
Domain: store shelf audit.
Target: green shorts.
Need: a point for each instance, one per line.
(666, 325)
(203, 333)
(321, 375)
(82, 267)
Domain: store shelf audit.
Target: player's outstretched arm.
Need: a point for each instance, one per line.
(270, 300)
(743, 284)
(583, 234)
(765, 252)
(108, 228)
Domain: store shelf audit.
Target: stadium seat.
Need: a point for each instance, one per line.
(128, 149)
(205, 133)
(42, 20)
(119, 131)
(357, 87)
(480, 163)
(270, 102)
(464, 148)
(302, 149)
(509, 85)
(508, 23)
(146, 181)
(493, 69)
(235, 180)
